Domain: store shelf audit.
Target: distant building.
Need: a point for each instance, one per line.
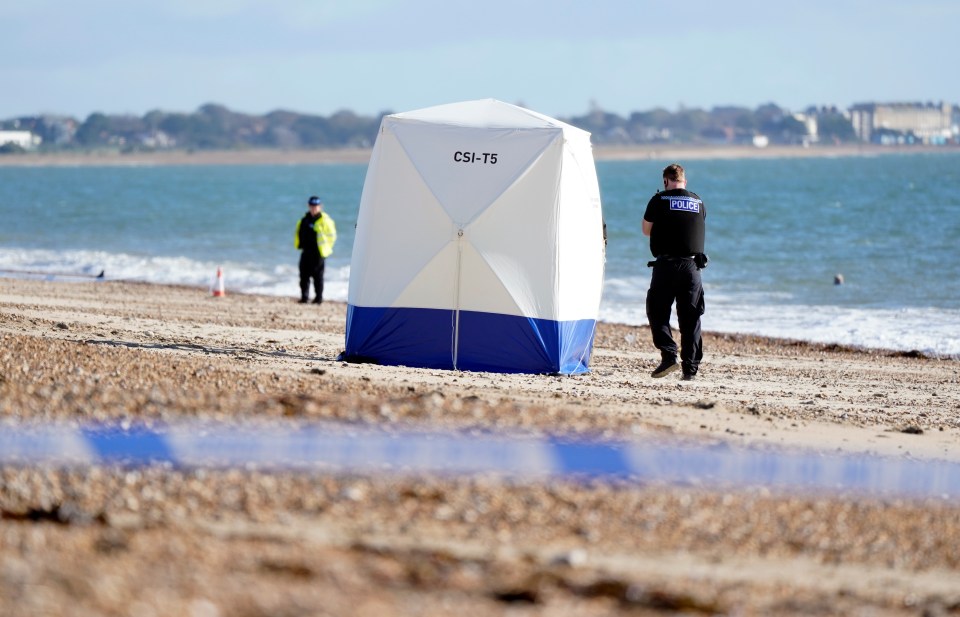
(156, 140)
(24, 139)
(810, 122)
(56, 129)
(903, 122)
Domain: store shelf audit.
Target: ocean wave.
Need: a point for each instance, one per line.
(275, 280)
(929, 330)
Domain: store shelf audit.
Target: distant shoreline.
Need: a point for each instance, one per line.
(362, 155)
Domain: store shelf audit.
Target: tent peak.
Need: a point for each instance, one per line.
(485, 113)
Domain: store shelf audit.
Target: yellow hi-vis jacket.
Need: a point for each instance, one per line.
(326, 231)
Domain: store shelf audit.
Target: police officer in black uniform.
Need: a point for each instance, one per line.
(675, 220)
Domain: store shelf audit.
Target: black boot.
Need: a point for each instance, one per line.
(667, 366)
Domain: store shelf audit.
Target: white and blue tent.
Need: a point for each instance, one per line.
(479, 243)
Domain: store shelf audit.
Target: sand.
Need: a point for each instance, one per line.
(209, 542)
(274, 156)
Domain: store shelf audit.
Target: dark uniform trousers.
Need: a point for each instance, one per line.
(311, 266)
(677, 280)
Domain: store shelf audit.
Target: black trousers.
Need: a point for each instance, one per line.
(677, 281)
(311, 267)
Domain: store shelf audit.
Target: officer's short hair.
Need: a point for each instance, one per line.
(674, 173)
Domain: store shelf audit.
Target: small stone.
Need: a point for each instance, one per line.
(573, 559)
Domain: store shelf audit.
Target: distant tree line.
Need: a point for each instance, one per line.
(214, 127)
(720, 125)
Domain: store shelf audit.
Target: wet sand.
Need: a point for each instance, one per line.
(165, 541)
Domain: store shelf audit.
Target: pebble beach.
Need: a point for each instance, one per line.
(157, 540)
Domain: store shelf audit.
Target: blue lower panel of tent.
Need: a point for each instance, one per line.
(487, 341)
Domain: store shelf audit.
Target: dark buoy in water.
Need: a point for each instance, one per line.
(838, 279)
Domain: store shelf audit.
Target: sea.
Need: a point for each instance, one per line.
(779, 232)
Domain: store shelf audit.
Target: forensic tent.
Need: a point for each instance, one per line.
(479, 243)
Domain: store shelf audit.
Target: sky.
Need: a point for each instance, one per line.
(559, 57)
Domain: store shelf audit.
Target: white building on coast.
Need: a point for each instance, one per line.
(895, 122)
(24, 139)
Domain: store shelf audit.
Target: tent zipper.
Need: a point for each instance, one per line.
(456, 300)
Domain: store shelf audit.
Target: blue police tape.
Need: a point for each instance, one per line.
(350, 449)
